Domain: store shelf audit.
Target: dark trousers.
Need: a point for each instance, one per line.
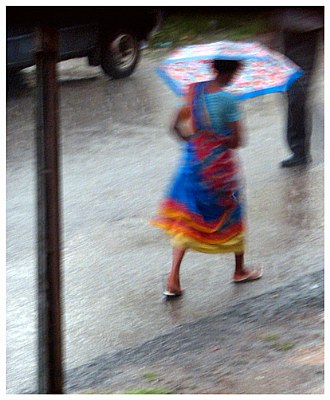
(301, 48)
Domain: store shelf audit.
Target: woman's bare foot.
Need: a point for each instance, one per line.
(173, 286)
(247, 275)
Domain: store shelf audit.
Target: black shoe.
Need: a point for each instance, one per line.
(295, 160)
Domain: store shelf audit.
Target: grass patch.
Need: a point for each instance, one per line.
(150, 376)
(269, 338)
(150, 391)
(134, 391)
(275, 343)
(284, 346)
(191, 28)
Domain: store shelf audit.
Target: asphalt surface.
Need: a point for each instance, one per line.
(269, 344)
(117, 156)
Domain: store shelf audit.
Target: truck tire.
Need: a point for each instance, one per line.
(119, 55)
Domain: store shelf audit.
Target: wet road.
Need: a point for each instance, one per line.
(116, 158)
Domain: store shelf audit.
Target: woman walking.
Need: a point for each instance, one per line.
(203, 209)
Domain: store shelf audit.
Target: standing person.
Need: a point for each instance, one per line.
(301, 28)
(204, 209)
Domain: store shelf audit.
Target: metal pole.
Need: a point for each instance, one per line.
(49, 294)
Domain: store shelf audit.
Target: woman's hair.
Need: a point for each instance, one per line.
(227, 66)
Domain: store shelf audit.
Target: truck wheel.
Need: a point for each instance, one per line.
(119, 55)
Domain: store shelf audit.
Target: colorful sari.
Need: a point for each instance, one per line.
(203, 208)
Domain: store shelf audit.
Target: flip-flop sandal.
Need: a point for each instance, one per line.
(253, 276)
(167, 295)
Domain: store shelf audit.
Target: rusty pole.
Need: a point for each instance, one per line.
(49, 293)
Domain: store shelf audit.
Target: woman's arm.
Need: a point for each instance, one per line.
(235, 139)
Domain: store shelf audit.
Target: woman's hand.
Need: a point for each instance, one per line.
(231, 142)
(181, 121)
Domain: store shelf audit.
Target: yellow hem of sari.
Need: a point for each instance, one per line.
(233, 245)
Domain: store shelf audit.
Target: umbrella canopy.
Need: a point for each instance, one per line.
(264, 70)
